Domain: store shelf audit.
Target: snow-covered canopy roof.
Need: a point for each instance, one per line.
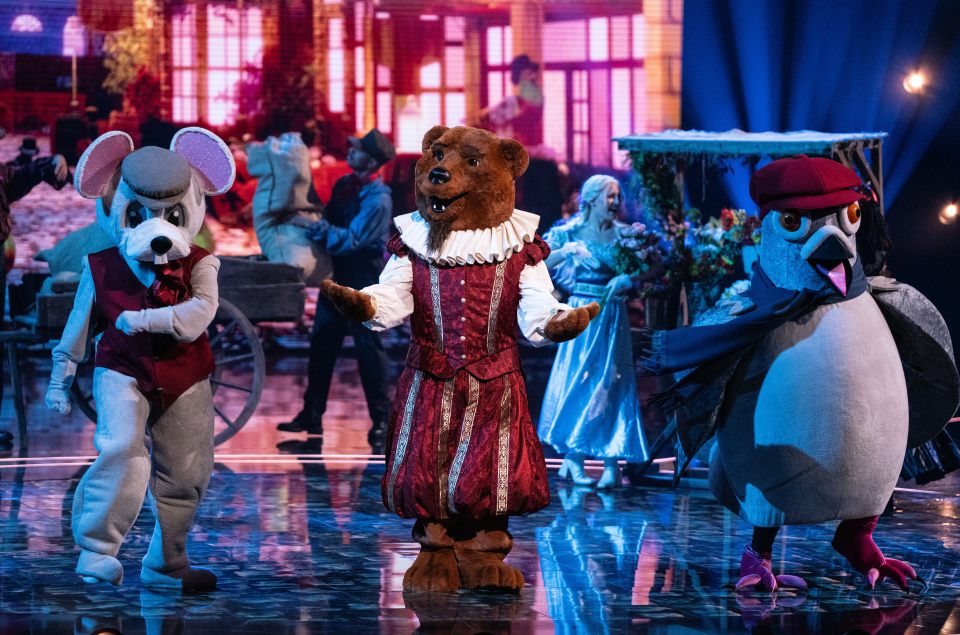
(739, 143)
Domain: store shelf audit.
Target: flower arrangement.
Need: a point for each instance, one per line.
(638, 250)
(706, 256)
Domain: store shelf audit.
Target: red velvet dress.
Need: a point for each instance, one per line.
(461, 442)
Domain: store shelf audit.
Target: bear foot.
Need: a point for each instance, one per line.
(433, 571)
(486, 570)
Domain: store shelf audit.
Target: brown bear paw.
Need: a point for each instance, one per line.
(566, 325)
(488, 571)
(433, 571)
(352, 303)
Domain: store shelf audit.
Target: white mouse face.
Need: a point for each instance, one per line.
(154, 231)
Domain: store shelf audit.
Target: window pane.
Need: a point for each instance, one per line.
(620, 104)
(454, 29)
(555, 112)
(430, 75)
(358, 69)
(600, 117)
(336, 33)
(638, 32)
(383, 76)
(359, 112)
(216, 52)
(336, 95)
(454, 62)
(430, 114)
(456, 109)
(599, 40)
(572, 34)
(358, 15)
(639, 100)
(385, 112)
(495, 46)
(494, 88)
(620, 38)
(335, 65)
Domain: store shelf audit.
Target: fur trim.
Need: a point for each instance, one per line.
(470, 246)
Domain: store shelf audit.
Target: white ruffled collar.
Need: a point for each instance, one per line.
(470, 246)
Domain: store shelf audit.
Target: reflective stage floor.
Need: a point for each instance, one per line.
(303, 544)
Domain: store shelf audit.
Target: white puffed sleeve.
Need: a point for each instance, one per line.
(537, 304)
(392, 296)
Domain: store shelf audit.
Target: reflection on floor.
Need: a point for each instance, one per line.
(304, 545)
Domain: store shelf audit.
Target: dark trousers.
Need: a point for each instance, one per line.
(329, 329)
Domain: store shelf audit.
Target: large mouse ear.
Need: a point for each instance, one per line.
(100, 162)
(516, 155)
(432, 135)
(209, 156)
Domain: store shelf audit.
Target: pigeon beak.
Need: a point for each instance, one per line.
(829, 252)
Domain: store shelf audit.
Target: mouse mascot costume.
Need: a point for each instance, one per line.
(150, 298)
(815, 381)
(462, 452)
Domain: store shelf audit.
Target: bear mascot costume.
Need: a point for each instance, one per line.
(150, 298)
(462, 452)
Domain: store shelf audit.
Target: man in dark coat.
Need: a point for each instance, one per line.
(354, 232)
(16, 181)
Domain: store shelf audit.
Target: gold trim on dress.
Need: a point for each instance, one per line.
(403, 439)
(435, 296)
(503, 449)
(495, 296)
(465, 431)
(446, 408)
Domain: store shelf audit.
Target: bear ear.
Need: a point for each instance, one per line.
(209, 156)
(100, 163)
(516, 155)
(432, 135)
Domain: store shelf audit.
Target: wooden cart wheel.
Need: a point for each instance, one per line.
(237, 381)
(240, 369)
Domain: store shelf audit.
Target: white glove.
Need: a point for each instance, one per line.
(58, 399)
(130, 322)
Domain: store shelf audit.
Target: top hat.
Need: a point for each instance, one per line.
(802, 182)
(29, 146)
(376, 145)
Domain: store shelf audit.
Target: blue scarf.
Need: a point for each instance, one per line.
(707, 352)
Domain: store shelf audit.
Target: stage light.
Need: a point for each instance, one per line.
(914, 82)
(26, 23)
(948, 214)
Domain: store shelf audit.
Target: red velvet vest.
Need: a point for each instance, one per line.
(163, 367)
(465, 316)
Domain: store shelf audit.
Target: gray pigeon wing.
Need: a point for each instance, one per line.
(926, 353)
(699, 418)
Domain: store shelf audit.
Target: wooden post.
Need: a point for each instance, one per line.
(526, 22)
(473, 62)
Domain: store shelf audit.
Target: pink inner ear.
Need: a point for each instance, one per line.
(206, 155)
(99, 167)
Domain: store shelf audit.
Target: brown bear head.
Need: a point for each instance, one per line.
(465, 180)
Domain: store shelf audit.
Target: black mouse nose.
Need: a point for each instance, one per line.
(439, 176)
(161, 245)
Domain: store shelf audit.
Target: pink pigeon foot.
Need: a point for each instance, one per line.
(854, 541)
(756, 570)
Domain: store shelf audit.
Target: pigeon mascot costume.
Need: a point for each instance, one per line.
(150, 298)
(815, 381)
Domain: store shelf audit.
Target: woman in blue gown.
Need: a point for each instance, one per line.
(590, 407)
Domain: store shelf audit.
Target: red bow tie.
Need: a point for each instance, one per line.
(169, 287)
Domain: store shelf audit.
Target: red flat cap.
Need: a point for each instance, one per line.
(802, 182)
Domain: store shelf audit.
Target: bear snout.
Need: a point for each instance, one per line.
(439, 176)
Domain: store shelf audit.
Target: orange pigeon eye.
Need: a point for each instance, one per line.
(853, 213)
